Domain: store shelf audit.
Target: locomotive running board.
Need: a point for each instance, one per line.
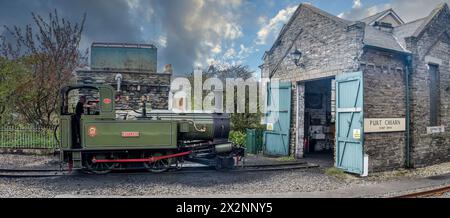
(142, 160)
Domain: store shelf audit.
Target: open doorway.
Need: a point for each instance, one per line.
(319, 119)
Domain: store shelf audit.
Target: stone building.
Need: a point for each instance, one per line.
(396, 111)
(132, 70)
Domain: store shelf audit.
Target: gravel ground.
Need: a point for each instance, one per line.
(8, 161)
(173, 184)
(435, 170)
(164, 184)
(446, 195)
(222, 183)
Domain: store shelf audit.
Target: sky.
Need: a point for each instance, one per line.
(197, 33)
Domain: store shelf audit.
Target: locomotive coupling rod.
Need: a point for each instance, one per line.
(142, 160)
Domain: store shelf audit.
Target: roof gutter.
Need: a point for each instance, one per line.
(387, 50)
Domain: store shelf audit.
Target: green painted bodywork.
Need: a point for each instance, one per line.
(152, 135)
(107, 111)
(66, 132)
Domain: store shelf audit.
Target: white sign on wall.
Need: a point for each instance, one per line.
(269, 127)
(435, 130)
(384, 125)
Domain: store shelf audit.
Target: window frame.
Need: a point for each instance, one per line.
(434, 88)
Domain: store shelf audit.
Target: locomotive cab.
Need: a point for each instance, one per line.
(99, 98)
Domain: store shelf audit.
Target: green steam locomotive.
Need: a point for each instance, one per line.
(99, 142)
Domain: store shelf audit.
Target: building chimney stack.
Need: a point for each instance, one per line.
(168, 68)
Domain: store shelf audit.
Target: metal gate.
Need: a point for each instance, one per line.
(278, 119)
(349, 122)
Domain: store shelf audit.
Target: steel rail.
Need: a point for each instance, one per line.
(31, 173)
(428, 193)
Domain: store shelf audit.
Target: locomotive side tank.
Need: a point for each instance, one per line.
(113, 134)
(192, 126)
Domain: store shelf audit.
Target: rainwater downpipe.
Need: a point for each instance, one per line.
(408, 111)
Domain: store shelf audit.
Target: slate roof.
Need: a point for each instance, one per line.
(407, 30)
(428, 19)
(394, 40)
(375, 17)
(381, 39)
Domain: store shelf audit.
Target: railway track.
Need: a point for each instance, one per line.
(429, 193)
(36, 173)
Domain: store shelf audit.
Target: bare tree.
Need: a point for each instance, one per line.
(51, 51)
(240, 121)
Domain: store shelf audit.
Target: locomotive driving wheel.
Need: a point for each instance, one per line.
(160, 165)
(99, 168)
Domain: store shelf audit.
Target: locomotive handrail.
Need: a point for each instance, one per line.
(195, 126)
(55, 135)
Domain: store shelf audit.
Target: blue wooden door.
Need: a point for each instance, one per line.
(278, 117)
(349, 122)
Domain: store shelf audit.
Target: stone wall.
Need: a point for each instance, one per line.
(432, 46)
(329, 47)
(384, 97)
(155, 86)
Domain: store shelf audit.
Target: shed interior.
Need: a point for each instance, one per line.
(319, 118)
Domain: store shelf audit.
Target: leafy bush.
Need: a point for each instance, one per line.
(238, 138)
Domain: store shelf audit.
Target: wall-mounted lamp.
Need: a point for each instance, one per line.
(296, 56)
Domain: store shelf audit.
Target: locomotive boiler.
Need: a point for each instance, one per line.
(99, 142)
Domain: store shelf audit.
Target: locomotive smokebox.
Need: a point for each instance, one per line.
(223, 148)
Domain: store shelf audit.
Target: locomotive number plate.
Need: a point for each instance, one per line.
(130, 134)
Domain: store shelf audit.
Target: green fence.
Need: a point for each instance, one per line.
(28, 137)
(254, 141)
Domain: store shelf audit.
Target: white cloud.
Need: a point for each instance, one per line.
(199, 31)
(357, 4)
(216, 49)
(229, 30)
(229, 54)
(162, 41)
(133, 4)
(359, 12)
(233, 3)
(262, 20)
(274, 25)
(245, 52)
